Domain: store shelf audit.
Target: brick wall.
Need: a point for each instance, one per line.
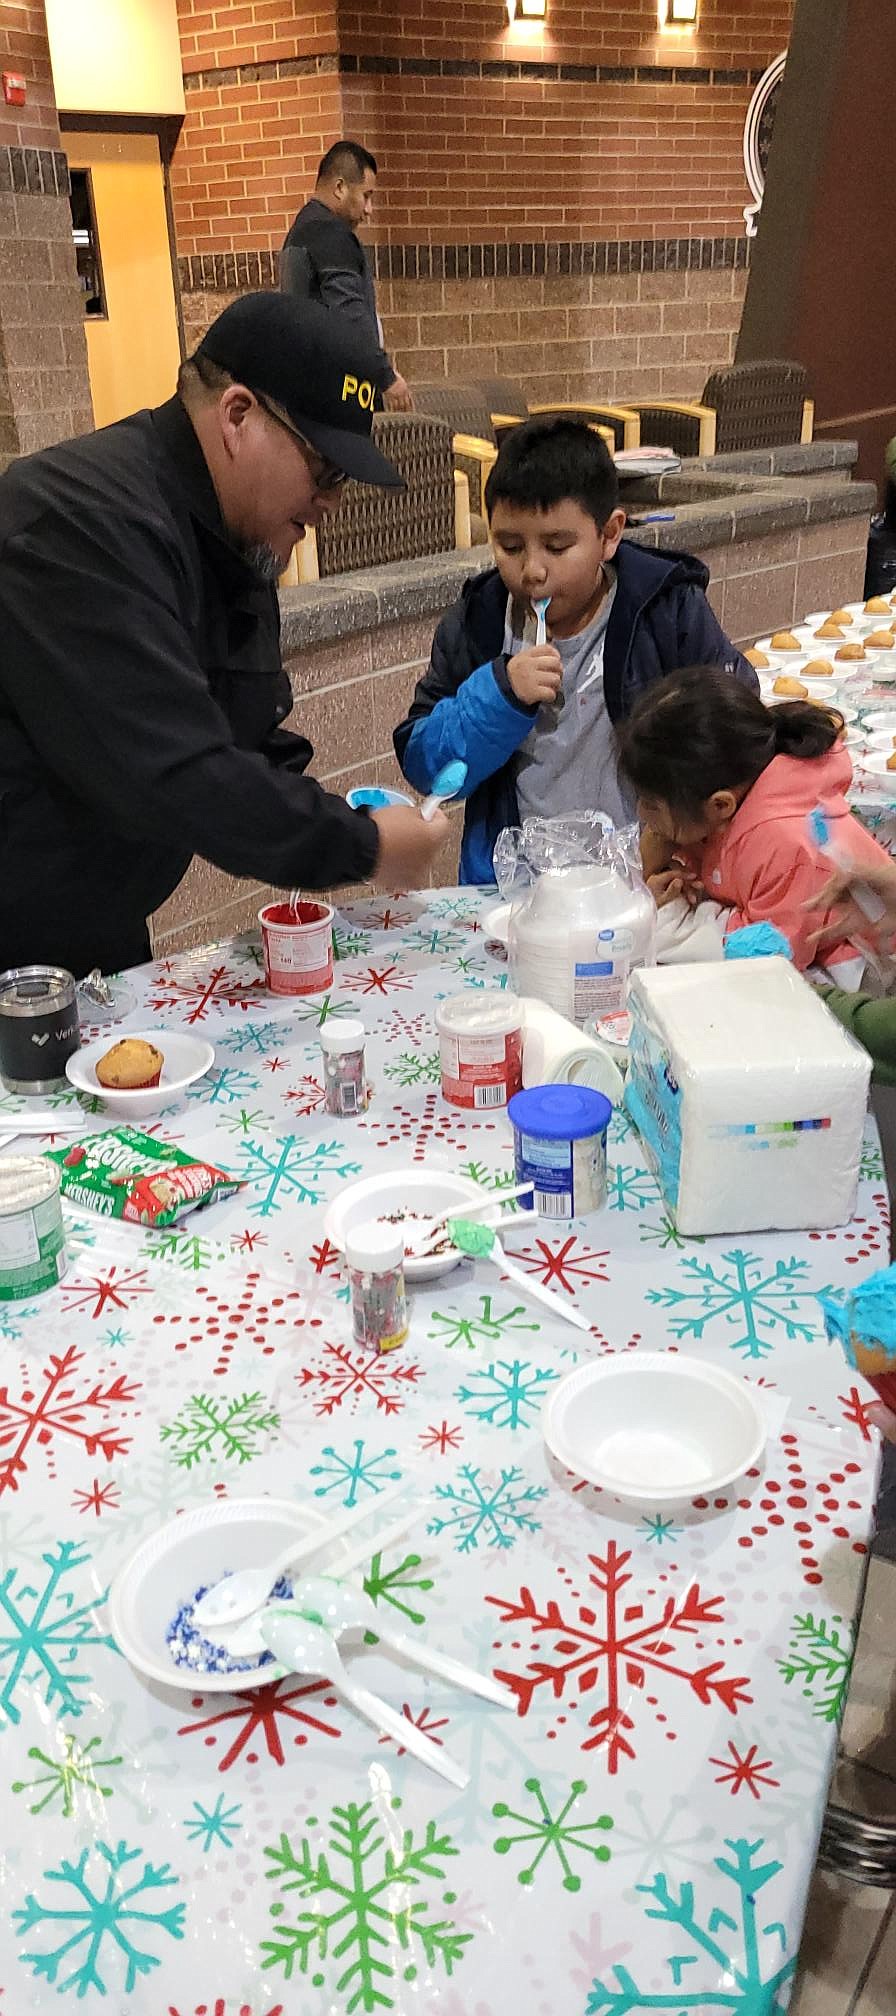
(593, 130)
(44, 392)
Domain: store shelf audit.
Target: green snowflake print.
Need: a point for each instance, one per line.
(543, 1833)
(350, 1475)
(396, 1586)
(742, 1295)
(489, 1179)
(507, 1394)
(497, 1511)
(821, 1660)
(63, 1775)
(486, 1328)
(664, 1233)
(94, 1922)
(660, 1529)
(219, 1826)
(350, 944)
(871, 1168)
(184, 1249)
(414, 1067)
(356, 1907)
(43, 1632)
(211, 1425)
(747, 1978)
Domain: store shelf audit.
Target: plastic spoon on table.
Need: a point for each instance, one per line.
(480, 1242)
(448, 782)
(234, 1597)
(328, 1602)
(435, 1226)
(303, 1647)
(244, 1637)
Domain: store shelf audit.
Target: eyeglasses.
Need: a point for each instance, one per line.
(324, 475)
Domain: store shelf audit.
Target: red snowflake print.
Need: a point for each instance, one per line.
(740, 1773)
(355, 1376)
(255, 1312)
(221, 2007)
(57, 1412)
(401, 1028)
(387, 919)
(99, 1499)
(863, 1238)
(275, 1064)
(855, 1410)
(426, 1127)
(613, 1641)
(305, 1097)
(113, 1290)
(425, 1722)
(261, 1712)
(325, 1258)
(246, 1242)
(379, 980)
(199, 997)
(566, 1266)
(442, 1438)
(809, 1509)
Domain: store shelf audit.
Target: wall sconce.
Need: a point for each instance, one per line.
(528, 10)
(679, 13)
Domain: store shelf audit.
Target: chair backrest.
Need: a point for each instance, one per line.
(373, 526)
(757, 405)
(504, 395)
(465, 407)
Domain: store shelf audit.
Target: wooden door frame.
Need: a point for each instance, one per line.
(166, 130)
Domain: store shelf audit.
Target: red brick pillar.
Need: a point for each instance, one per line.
(44, 388)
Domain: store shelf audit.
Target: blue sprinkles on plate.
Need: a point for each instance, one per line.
(189, 1647)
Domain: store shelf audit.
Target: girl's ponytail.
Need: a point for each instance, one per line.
(804, 730)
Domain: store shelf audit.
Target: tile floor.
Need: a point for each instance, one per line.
(848, 1955)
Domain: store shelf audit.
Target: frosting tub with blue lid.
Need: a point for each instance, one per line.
(560, 1146)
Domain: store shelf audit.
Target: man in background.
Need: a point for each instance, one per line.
(323, 257)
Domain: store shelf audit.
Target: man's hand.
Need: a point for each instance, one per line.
(398, 397)
(408, 845)
(849, 920)
(536, 675)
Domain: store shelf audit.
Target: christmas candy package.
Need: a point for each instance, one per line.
(129, 1175)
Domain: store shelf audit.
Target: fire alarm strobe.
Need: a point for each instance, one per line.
(13, 88)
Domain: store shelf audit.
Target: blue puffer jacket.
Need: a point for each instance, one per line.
(464, 705)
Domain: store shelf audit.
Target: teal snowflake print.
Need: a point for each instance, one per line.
(63, 1776)
(435, 942)
(43, 1632)
(211, 1425)
(630, 1188)
(350, 1475)
(543, 1833)
(497, 1511)
(758, 1301)
(820, 1658)
(95, 1919)
(217, 1828)
(292, 1170)
(399, 1588)
(746, 1975)
(486, 1328)
(354, 1907)
(414, 1067)
(659, 1529)
(227, 1085)
(507, 1394)
(253, 1039)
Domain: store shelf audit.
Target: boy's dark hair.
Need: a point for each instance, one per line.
(545, 461)
(699, 731)
(348, 159)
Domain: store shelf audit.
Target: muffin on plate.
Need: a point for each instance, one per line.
(851, 651)
(784, 640)
(877, 606)
(130, 1066)
(758, 660)
(840, 616)
(790, 689)
(829, 629)
(817, 668)
(880, 640)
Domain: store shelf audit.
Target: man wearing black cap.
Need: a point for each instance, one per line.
(141, 685)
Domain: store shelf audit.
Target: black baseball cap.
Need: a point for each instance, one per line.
(308, 360)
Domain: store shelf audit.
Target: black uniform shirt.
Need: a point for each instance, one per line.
(141, 692)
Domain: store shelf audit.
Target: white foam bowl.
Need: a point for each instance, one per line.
(881, 668)
(874, 764)
(186, 1059)
(654, 1429)
(882, 717)
(429, 1191)
(816, 689)
(496, 923)
(195, 1548)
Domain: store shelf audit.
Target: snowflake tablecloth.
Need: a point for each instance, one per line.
(677, 1679)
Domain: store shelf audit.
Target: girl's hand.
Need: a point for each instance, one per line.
(656, 852)
(849, 921)
(665, 887)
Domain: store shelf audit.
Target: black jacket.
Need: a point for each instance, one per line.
(464, 707)
(323, 258)
(141, 692)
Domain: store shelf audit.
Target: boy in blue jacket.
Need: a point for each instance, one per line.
(535, 723)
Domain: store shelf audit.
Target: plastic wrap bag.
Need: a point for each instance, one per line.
(582, 916)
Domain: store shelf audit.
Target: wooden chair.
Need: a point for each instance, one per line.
(760, 405)
(507, 405)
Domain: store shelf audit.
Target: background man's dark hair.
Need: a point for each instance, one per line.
(348, 159)
(544, 461)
